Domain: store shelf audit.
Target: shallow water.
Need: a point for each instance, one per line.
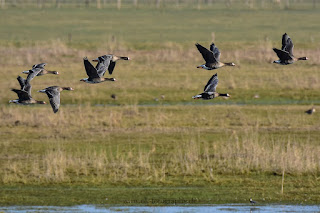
(171, 209)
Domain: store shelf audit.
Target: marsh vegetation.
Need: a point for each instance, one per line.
(154, 134)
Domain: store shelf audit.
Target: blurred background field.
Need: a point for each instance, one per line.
(154, 135)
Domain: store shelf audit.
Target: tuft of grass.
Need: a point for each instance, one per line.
(157, 144)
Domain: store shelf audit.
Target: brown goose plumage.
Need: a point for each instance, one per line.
(43, 71)
(94, 76)
(109, 62)
(53, 94)
(24, 98)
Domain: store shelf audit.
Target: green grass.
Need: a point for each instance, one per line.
(150, 28)
(155, 147)
(225, 190)
(155, 141)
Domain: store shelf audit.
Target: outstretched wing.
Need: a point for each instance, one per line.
(24, 85)
(21, 82)
(216, 52)
(212, 84)
(23, 95)
(206, 54)
(54, 98)
(111, 67)
(283, 55)
(33, 73)
(91, 71)
(287, 44)
(103, 64)
(39, 66)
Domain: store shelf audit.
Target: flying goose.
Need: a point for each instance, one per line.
(210, 90)
(212, 57)
(53, 94)
(110, 61)
(286, 53)
(43, 70)
(31, 74)
(103, 64)
(94, 75)
(24, 98)
(24, 94)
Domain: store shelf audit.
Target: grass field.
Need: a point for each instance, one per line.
(154, 141)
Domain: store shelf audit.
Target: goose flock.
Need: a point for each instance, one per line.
(95, 75)
(107, 62)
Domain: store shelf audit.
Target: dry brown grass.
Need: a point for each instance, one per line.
(156, 144)
(58, 52)
(186, 158)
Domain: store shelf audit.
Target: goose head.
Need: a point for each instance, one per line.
(41, 102)
(303, 58)
(109, 79)
(230, 64)
(125, 58)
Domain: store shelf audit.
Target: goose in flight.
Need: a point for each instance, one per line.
(212, 57)
(210, 90)
(53, 94)
(110, 61)
(286, 53)
(24, 94)
(95, 75)
(43, 70)
(24, 98)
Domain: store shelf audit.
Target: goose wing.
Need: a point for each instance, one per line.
(287, 44)
(207, 55)
(212, 84)
(39, 65)
(54, 98)
(111, 67)
(21, 82)
(283, 55)
(24, 85)
(91, 71)
(216, 52)
(53, 88)
(103, 64)
(22, 95)
(33, 73)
